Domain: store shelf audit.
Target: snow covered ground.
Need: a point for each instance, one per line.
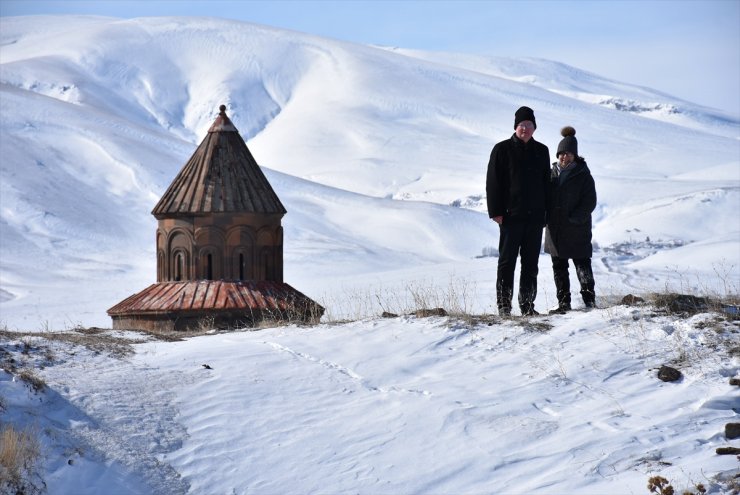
(552, 405)
(379, 155)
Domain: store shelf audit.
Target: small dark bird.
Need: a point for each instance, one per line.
(207, 367)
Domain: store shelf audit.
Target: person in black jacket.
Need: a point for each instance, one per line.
(516, 188)
(572, 198)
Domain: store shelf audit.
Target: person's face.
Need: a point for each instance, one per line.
(566, 159)
(524, 130)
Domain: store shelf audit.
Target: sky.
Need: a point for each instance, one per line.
(689, 49)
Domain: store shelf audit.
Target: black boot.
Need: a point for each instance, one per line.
(586, 279)
(503, 301)
(561, 309)
(562, 284)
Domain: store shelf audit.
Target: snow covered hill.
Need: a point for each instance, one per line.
(379, 155)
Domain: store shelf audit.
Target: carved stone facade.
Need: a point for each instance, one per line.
(222, 246)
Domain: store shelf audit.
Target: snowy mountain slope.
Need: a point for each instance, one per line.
(99, 115)
(590, 88)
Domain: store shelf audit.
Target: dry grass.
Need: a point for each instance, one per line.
(20, 454)
(33, 380)
(97, 340)
(456, 297)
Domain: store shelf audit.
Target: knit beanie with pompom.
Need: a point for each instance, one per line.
(569, 143)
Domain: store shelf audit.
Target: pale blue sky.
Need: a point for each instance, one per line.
(687, 48)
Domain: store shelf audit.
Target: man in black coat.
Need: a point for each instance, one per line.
(572, 198)
(516, 188)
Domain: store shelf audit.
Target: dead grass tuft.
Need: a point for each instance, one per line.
(33, 380)
(20, 453)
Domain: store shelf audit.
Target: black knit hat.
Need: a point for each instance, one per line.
(524, 113)
(569, 143)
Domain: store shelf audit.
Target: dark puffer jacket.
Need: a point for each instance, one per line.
(570, 203)
(517, 180)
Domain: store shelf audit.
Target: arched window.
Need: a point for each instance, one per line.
(209, 264)
(161, 273)
(179, 266)
(241, 264)
(268, 264)
(179, 254)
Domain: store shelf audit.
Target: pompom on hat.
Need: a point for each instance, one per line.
(569, 143)
(524, 113)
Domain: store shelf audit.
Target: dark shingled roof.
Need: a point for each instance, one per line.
(222, 176)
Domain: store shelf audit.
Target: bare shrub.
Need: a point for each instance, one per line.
(20, 454)
(661, 486)
(205, 324)
(32, 379)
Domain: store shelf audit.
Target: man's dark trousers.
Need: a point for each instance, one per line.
(518, 238)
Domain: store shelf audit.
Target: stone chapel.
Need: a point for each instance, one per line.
(219, 246)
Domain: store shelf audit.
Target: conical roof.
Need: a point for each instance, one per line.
(222, 176)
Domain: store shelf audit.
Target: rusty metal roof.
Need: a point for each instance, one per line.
(221, 176)
(200, 296)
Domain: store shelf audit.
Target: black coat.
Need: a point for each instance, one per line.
(517, 180)
(570, 203)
